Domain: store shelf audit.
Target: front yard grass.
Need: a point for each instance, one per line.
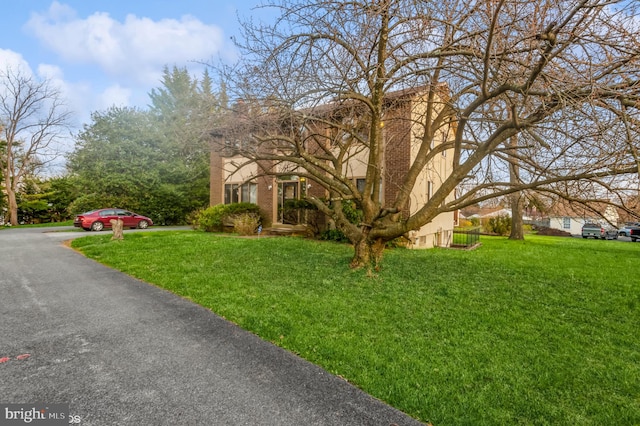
(42, 225)
(534, 332)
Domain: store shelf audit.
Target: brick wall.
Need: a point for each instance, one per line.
(397, 134)
(267, 190)
(216, 183)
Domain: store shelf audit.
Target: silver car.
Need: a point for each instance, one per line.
(624, 231)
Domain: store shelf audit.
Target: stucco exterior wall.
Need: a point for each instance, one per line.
(232, 173)
(439, 232)
(575, 224)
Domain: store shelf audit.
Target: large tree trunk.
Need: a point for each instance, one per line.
(368, 253)
(361, 255)
(13, 206)
(517, 226)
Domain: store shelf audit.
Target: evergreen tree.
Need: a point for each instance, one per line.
(155, 162)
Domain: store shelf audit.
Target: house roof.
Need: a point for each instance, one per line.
(594, 210)
(269, 108)
(632, 204)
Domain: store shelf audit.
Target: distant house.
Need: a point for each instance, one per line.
(570, 217)
(233, 179)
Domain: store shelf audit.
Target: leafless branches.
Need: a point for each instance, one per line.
(32, 119)
(562, 76)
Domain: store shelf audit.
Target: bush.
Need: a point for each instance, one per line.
(466, 223)
(239, 208)
(246, 223)
(352, 212)
(500, 225)
(333, 235)
(193, 218)
(209, 219)
(298, 212)
(215, 218)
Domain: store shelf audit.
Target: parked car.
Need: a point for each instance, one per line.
(595, 230)
(97, 220)
(625, 230)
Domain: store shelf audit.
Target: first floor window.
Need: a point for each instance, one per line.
(566, 222)
(360, 184)
(249, 193)
(231, 193)
(241, 193)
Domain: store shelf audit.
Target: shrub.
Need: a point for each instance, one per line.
(466, 223)
(333, 235)
(215, 218)
(245, 223)
(352, 212)
(299, 211)
(193, 218)
(500, 225)
(239, 208)
(209, 219)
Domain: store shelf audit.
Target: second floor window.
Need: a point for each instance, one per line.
(429, 190)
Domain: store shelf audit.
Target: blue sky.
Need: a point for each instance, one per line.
(104, 53)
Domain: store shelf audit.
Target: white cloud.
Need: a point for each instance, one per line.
(15, 64)
(135, 50)
(10, 60)
(50, 72)
(78, 97)
(115, 95)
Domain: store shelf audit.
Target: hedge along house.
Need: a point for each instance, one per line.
(237, 175)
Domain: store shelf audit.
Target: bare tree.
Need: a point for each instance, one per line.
(549, 86)
(32, 119)
(515, 199)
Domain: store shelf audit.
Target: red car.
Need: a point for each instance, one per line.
(97, 220)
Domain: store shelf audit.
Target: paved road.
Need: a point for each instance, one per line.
(122, 352)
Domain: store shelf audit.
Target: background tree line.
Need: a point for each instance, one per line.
(153, 161)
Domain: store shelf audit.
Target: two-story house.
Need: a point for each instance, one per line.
(235, 179)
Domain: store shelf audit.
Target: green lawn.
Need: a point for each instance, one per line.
(42, 225)
(535, 332)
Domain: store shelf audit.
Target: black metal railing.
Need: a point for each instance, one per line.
(466, 237)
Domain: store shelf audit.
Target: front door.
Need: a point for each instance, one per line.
(287, 191)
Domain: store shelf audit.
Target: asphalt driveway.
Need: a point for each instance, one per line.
(123, 352)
